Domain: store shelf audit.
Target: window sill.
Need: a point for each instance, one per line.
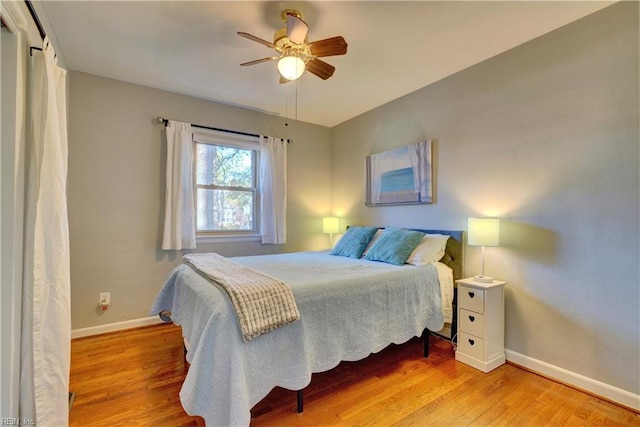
(227, 238)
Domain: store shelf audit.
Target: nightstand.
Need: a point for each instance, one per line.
(481, 324)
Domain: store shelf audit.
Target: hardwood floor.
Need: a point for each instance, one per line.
(133, 378)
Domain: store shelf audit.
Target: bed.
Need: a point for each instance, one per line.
(349, 308)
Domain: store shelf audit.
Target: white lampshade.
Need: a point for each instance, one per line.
(330, 225)
(291, 67)
(483, 232)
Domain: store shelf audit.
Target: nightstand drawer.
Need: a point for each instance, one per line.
(471, 346)
(471, 322)
(471, 298)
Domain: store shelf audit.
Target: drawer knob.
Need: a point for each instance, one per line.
(472, 294)
(472, 342)
(472, 318)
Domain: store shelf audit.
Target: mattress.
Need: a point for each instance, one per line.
(349, 308)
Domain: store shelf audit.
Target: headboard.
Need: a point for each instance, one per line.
(454, 251)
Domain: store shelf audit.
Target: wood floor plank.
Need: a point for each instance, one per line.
(564, 411)
(403, 388)
(133, 377)
(403, 402)
(483, 394)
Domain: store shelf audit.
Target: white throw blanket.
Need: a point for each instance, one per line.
(262, 303)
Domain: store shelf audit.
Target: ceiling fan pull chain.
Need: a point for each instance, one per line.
(286, 105)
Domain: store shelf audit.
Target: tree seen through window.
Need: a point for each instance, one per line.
(226, 188)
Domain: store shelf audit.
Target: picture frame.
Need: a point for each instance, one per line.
(402, 176)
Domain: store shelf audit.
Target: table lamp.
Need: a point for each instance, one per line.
(331, 226)
(483, 232)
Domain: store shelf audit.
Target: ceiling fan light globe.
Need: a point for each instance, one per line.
(291, 67)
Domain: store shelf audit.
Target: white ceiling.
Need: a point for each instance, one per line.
(394, 47)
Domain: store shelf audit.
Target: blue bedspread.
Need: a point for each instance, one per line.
(349, 309)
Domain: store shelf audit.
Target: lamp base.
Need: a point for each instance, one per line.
(483, 279)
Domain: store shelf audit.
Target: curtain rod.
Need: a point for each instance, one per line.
(166, 122)
(36, 20)
(34, 15)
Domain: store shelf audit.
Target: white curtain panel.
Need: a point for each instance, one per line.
(273, 190)
(179, 220)
(46, 328)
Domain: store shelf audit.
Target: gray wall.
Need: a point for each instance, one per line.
(544, 136)
(117, 157)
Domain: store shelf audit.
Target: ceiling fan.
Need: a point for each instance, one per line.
(295, 54)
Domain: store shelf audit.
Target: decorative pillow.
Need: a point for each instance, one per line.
(395, 245)
(373, 240)
(431, 249)
(353, 242)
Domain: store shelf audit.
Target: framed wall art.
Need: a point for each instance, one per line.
(400, 176)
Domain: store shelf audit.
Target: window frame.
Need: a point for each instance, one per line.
(225, 139)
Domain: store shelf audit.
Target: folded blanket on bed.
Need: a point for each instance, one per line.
(262, 303)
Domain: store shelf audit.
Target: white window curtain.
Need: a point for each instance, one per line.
(46, 327)
(273, 190)
(179, 219)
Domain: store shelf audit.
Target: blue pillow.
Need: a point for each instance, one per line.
(394, 245)
(354, 241)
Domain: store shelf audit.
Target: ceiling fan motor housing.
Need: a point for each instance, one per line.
(281, 41)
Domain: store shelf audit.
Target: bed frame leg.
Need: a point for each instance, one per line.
(425, 337)
(300, 401)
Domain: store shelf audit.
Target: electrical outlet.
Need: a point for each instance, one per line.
(105, 298)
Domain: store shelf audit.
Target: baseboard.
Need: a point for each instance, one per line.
(113, 327)
(589, 385)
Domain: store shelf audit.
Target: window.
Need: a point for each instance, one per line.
(226, 184)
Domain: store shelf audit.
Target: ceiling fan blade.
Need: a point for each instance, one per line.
(255, 39)
(259, 61)
(329, 47)
(296, 29)
(320, 68)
